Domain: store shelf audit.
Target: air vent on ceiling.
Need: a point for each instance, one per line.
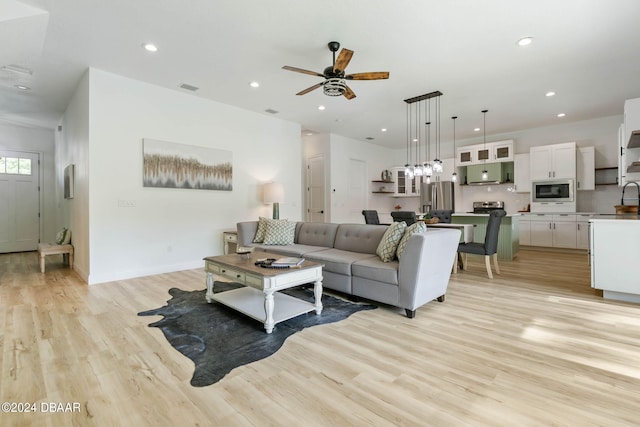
(16, 69)
(271, 111)
(189, 87)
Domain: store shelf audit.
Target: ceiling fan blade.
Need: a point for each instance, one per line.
(349, 93)
(343, 60)
(309, 89)
(377, 75)
(300, 70)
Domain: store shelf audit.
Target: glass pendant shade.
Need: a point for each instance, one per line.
(428, 169)
(485, 175)
(417, 170)
(454, 177)
(428, 179)
(407, 169)
(437, 166)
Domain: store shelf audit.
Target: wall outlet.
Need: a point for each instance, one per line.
(126, 203)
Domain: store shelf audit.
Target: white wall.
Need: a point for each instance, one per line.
(171, 229)
(72, 147)
(37, 140)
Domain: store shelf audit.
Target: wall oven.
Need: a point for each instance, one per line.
(560, 190)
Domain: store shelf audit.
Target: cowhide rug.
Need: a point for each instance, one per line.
(219, 339)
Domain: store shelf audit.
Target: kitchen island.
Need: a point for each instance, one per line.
(614, 252)
(508, 237)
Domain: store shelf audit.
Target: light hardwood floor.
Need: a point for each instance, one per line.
(535, 346)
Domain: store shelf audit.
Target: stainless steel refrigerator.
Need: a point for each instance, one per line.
(437, 195)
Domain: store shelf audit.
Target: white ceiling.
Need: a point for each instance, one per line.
(588, 51)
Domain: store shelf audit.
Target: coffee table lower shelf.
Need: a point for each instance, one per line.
(250, 301)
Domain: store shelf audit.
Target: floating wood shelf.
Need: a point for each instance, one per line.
(383, 182)
(634, 167)
(382, 192)
(634, 140)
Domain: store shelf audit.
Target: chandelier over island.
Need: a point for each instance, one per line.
(418, 112)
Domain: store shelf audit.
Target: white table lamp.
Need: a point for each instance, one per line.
(273, 192)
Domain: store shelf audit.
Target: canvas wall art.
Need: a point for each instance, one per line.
(172, 165)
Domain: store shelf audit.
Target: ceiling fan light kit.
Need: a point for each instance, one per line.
(335, 83)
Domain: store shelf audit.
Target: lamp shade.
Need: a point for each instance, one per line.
(272, 192)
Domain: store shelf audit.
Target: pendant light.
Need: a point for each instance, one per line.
(454, 175)
(437, 163)
(428, 169)
(408, 170)
(485, 174)
(424, 169)
(418, 170)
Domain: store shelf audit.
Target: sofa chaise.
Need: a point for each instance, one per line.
(351, 266)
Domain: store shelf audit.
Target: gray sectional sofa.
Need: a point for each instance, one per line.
(351, 266)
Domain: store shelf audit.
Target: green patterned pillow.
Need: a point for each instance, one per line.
(280, 232)
(418, 227)
(60, 236)
(389, 243)
(261, 231)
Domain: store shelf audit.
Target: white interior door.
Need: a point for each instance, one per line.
(315, 190)
(357, 200)
(19, 201)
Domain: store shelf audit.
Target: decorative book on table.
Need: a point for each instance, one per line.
(288, 262)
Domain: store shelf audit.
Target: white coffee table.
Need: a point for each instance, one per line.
(259, 298)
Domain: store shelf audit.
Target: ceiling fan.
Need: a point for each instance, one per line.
(335, 79)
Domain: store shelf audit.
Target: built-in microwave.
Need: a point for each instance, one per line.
(559, 190)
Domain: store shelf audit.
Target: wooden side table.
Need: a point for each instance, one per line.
(230, 237)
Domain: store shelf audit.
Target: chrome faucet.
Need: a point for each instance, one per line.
(625, 186)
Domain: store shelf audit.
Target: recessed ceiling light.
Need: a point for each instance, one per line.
(550, 93)
(309, 133)
(561, 115)
(476, 129)
(321, 107)
(525, 41)
(254, 84)
(150, 47)
(383, 129)
(22, 87)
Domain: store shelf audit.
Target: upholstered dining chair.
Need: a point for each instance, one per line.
(408, 217)
(490, 246)
(371, 217)
(443, 215)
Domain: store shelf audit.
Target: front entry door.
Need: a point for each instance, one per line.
(19, 201)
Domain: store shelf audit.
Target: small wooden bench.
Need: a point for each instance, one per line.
(45, 249)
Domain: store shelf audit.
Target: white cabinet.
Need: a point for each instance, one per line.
(614, 265)
(404, 186)
(582, 226)
(585, 168)
(622, 156)
(522, 177)
(553, 230)
(491, 152)
(553, 161)
(465, 156)
(502, 151)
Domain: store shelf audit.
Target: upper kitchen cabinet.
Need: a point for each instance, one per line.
(586, 168)
(465, 156)
(491, 152)
(404, 186)
(553, 161)
(502, 151)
